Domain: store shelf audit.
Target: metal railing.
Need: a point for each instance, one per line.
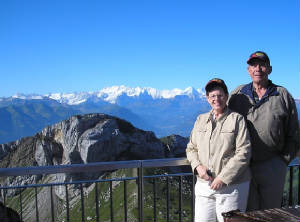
(292, 192)
(177, 180)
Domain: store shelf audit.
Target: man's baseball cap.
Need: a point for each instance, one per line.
(215, 83)
(260, 56)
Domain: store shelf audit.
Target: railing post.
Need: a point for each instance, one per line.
(52, 205)
(97, 202)
(168, 199)
(180, 199)
(4, 201)
(125, 201)
(193, 197)
(154, 200)
(298, 185)
(67, 203)
(111, 202)
(291, 187)
(36, 204)
(4, 197)
(21, 207)
(82, 203)
(140, 192)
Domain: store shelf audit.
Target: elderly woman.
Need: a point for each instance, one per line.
(219, 153)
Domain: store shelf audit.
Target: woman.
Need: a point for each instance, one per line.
(219, 153)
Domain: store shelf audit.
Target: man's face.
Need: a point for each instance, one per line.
(259, 71)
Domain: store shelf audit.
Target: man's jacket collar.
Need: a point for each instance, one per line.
(271, 91)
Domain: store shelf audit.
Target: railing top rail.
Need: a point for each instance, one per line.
(295, 162)
(91, 167)
(165, 162)
(70, 168)
(98, 166)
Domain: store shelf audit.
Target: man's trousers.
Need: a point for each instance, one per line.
(266, 187)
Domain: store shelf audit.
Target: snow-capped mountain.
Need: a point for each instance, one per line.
(164, 112)
(111, 94)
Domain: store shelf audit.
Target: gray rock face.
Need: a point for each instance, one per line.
(175, 145)
(83, 139)
(97, 137)
(7, 148)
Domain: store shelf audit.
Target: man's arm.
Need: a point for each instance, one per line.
(292, 134)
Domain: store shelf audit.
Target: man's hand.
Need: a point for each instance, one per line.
(202, 172)
(217, 184)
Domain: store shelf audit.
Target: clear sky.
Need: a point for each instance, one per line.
(49, 46)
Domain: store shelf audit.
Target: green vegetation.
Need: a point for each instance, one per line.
(161, 199)
(104, 202)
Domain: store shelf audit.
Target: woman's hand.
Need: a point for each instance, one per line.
(216, 184)
(202, 172)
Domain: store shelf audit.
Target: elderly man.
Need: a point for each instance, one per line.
(272, 121)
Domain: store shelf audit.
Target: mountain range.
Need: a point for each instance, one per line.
(164, 112)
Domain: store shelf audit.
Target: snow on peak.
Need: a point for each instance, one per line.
(70, 98)
(111, 94)
(29, 96)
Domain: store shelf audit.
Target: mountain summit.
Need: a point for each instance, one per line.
(111, 94)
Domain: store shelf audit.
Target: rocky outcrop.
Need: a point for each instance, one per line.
(81, 139)
(95, 137)
(175, 145)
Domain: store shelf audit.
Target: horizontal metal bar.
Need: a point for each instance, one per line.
(90, 167)
(165, 162)
(295, 162)
(169, 175)
(69, 183)
(71, 168)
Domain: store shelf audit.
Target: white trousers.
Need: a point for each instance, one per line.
(210, 204)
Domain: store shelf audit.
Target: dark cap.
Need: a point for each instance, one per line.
(215, 83)
(260, 56)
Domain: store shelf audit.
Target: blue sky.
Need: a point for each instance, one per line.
(86, 45)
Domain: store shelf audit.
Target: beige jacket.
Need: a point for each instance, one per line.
(224, 148)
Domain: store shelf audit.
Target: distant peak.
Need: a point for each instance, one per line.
(111, 94)
(28, 96)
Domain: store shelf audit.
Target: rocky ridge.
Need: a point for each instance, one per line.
(85, 139)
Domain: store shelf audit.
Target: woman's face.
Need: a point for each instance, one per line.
(217, 99)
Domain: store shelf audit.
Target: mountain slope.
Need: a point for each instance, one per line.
(21, 118)
(27, 117)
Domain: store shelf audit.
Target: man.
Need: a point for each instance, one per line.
(272, 121)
